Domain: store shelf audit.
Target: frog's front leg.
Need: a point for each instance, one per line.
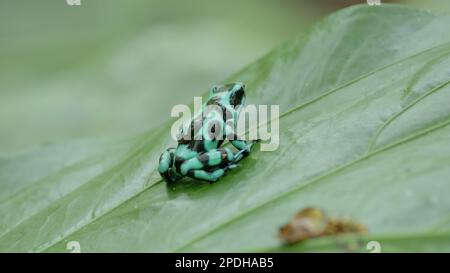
(208, 166)
(243, 147)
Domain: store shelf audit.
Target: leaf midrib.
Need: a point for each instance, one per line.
(377, 134)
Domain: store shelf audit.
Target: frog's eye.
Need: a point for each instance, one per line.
(238, 96)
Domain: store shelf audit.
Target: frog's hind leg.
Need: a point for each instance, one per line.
(212, 176)
(208, 166)
(165, 165)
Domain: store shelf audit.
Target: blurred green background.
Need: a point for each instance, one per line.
(116, 68)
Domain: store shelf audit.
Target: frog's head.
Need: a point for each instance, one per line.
(232, 94)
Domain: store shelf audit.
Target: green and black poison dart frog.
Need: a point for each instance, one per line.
(198, 154)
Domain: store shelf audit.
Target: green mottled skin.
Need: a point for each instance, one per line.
(201, 157)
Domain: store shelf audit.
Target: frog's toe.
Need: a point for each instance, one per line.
(231, 166)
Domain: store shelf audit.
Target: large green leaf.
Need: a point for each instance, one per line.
(364, 134)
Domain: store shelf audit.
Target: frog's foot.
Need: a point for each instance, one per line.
(253, 143)
(231, 166)
(242, 153)
(244, 149)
